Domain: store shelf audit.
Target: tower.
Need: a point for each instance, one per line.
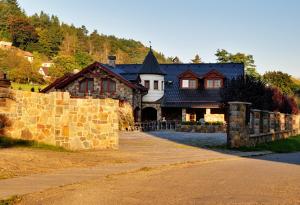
(152, 77)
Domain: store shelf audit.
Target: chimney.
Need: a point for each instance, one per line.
(112, 61)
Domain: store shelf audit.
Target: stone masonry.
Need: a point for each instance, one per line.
(264, 127)
(57, 119)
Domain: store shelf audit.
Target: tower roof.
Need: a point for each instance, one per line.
(150, 65)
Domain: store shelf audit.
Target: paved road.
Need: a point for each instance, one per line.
(152, 153)
(193, 139)
(235, 181)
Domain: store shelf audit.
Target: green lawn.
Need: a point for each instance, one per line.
(26, 87)
(6, 142)
(291, 144)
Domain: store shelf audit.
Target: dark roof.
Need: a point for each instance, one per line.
(150, 65)
(65, 80)
(176, 97)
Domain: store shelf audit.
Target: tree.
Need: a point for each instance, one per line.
(197, 59)
(224, 56)
(8, 8)
(63, 64)
(281, 80)
(255, 91)
(21, 31)
(176, 60)
(83, 59)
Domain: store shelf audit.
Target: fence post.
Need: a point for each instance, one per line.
(238, 127)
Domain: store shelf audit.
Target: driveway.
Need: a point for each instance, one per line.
(145, 151)
(192, 138)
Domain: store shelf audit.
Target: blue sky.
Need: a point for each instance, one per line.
(267, 29)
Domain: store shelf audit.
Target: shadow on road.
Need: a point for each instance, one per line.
(217, 142)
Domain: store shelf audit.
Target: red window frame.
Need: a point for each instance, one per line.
(86, 82)
(109, 82)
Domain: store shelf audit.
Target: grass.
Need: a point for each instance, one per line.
(6, 142)
(10, 201)
(288, 145)
(26, 87)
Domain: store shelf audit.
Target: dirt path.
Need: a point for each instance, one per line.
(139, 151)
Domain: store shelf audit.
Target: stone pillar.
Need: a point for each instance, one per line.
(238, 129)
(295, 124)
(183, 114)
(256, 125)
(277, 122)
(266, 121)
(272, 122)
(282, 122)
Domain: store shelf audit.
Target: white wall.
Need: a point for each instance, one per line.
(153, 95)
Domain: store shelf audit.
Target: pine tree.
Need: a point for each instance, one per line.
(197, 59)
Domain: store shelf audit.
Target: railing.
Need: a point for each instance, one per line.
(156, 125)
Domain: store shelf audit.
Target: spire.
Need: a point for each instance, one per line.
(150, 64)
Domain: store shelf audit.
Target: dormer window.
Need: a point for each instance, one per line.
(213, 80)
(188, 80)
(189, 83)
(214, 84)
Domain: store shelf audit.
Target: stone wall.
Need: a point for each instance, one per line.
(57, 119)
(249, 127)
(126, 119)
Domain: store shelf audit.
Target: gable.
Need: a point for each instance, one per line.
(188, 74)
(214, 74)
(98, 70)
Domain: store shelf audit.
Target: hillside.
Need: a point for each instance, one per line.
(69, 47)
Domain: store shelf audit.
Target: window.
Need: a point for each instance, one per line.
(162, 85)
(185, 83)
(214, 83)
(156, 85)
(191, 84)
(147, 84)
(86, 85)
(108, 86)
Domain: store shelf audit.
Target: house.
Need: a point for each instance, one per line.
(5, 44)
(185, 92)
(44, 69)
(27, 55)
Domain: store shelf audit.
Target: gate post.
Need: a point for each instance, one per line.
(238, 125)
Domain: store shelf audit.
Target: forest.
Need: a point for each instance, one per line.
(67, 46)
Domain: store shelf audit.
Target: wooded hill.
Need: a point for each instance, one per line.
(69, 47)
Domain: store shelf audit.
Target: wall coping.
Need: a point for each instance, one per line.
(239, 102)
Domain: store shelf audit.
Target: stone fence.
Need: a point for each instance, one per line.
(57, 119)
(249, 127)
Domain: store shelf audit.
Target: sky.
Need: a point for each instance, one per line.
(267, 29)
